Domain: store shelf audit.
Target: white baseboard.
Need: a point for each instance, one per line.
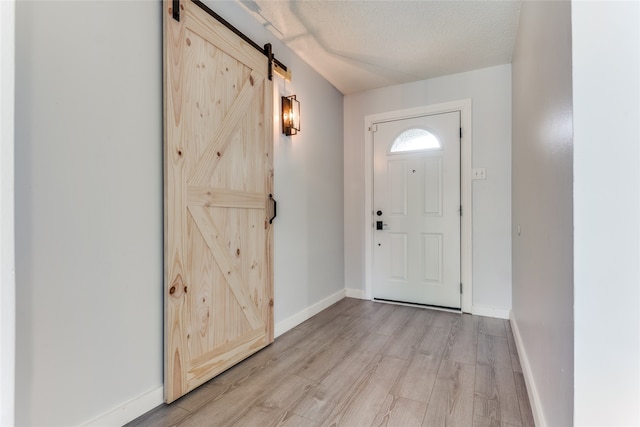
(355, 293)
(129, 410)
(534, 397)
(137, 406)
(293, 321)
(498, 313)
(142, 404)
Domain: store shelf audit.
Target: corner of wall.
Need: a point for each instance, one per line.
(7, 249)
(498, 313)
(355, 293)
(293, 321)
(532, 390)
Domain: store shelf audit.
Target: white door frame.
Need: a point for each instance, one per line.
(466, 262)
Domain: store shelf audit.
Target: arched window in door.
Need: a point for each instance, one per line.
(415, 140)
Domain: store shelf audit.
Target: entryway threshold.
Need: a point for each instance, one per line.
(418, 305)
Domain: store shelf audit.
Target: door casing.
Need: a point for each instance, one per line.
(466, 261)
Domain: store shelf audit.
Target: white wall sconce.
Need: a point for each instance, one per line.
(290, 115)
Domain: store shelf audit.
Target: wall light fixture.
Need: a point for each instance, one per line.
(290, 115)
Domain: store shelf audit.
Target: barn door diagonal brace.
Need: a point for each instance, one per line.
(274, 64)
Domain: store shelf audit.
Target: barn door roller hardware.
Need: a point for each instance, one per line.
(274, 64)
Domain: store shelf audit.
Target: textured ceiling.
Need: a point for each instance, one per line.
(361, 45)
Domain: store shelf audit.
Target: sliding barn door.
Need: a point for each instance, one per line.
(218, 178)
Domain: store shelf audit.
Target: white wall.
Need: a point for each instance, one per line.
(606, 99)
(308, 182)
(308, 246)
(89, 206)
(578, 207)
(490, 92)
(542, 207)
(7, 253)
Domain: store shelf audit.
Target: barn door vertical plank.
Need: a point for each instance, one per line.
(268, 169)
(175, 202)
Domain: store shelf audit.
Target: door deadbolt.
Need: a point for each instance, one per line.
(379, 213)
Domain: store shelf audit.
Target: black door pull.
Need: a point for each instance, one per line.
(275, 204)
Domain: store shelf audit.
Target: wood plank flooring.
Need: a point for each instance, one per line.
(360, 363)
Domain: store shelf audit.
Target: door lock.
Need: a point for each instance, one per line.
(380, 225)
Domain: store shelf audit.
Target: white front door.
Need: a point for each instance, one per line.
(416, 215)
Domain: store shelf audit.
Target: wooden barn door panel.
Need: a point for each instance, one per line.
(218, 177)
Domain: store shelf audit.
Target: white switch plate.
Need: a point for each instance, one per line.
(479, 173)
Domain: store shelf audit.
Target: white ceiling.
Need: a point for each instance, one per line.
(362, 45)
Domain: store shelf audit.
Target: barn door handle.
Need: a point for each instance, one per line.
(275, 204)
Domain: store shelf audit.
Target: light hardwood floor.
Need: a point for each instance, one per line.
(360, 363)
